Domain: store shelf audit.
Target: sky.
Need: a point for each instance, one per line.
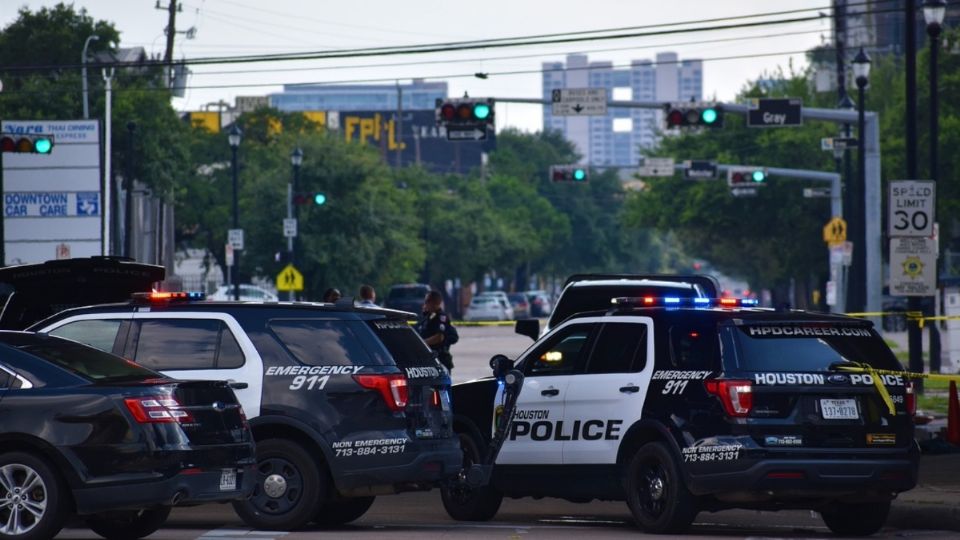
(235, 27)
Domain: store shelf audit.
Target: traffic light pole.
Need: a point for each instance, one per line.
(872, 190)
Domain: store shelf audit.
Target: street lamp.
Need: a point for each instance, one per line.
(234, 139)
(83, 69)
(861, 74)
(296, 159)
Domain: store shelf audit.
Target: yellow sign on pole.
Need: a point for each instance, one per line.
(835, 232)
(289, 279)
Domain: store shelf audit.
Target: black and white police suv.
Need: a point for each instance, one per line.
(345, 403)
(685, 405)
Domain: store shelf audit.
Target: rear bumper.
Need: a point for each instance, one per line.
(433, 464)
(786, 480)
(191, 486)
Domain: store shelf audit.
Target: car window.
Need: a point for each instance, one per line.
(99, 333)
(4, 379)
(810, 347)
(229, 354)
(318, 342)
(561, 354)
(620, 348)
(173, 344)
(403, 343)
(90, 363)
(694, 347)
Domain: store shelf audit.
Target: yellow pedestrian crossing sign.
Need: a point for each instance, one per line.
(290, 279)
(835, 231)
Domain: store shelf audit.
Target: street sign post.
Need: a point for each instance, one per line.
(838, 143)
(912, 208)
(579, 101)
(777, 112)
(835, 232)
(228, 257)
(656, 167)
(235, 238)
(289, 279)
(817, 192)
(699, 169)
(290, 228)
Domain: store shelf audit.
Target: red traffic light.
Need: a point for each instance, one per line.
(448, 111)
(674, 118)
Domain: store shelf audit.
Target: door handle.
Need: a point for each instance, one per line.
(550, 392)
(630, 389)
(238, 385)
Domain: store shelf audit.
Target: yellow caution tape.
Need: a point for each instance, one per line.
(857, 367)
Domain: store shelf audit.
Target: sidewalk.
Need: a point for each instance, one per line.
(935, 502)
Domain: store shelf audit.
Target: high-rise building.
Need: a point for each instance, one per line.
(618, 138)
(417, 96)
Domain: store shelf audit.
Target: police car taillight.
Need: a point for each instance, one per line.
(157, 410)
(911, 399)
(735, 395)
(166, 296)
(392, 387)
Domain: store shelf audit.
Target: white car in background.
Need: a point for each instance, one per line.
(248, 293)
(489, 308)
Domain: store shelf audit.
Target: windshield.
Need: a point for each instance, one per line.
(593, 298)
(810, 347)
(89, 363)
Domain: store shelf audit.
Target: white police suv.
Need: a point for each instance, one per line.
(682, 405)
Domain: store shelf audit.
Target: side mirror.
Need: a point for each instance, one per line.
(500, 365)
(528, 327)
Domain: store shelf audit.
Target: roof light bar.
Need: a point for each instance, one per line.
(673, 301)
(165, 296)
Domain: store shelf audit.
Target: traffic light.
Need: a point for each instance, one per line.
(465, 112)
(569, 173)
(26, 144)
(317, 198)
(746, 176)
(693, 114)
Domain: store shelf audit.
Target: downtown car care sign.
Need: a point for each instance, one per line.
(51, 202)
(913, 249)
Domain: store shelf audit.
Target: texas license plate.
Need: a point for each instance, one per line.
(839, 409)
(228, 480)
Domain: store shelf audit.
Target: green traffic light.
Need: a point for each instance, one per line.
(579, 174)
(759, 176)
(319, 199)
(481, 111)
(709, 116)
(42, 146)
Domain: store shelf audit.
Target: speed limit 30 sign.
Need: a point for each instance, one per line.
(912, 208)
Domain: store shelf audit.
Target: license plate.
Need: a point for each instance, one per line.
(228, 480)
(839, 409)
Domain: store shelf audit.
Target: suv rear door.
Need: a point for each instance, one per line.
(799, 398)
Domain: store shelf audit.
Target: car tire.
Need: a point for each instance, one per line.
(289, 488)
(341, 512)
(863, 519)
(128, 525)
(26, 481)
(470, 504)
(656, 493)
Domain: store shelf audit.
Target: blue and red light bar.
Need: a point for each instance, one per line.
(166, 296)
(676, 301)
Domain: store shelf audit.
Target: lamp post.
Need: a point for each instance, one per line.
(83, 69)
(933, 13)
(861, 74)
(234, 139)
(296, 159)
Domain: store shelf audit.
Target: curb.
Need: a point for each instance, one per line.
(941, 515)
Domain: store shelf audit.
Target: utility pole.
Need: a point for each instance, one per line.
(128, 188)
(171, 30)
(840, 43)
(914, 303)
(399, 125)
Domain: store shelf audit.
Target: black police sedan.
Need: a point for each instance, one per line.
(84, 432)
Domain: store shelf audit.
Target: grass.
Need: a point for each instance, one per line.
(936, 404)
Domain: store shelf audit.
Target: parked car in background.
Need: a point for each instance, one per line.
(540, 304)
(489, 308)
(88, 433)
(407, 297)
(248, 293)
(520, 305)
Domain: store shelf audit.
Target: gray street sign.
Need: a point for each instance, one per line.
(777, 112)
(579, 101)
(656, 167)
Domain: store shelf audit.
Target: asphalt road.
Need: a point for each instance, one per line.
(420, 515)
